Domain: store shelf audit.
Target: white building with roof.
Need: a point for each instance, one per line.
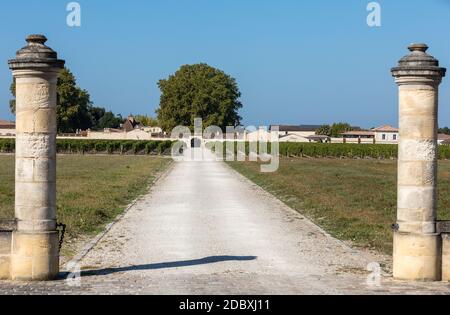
(386, 134)
(7, 128)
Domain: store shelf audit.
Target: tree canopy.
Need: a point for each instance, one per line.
(74, 104)
(147, 120)
(199, 91)
(12, 103)
(108, 120)
(335, 130)
(445, 130)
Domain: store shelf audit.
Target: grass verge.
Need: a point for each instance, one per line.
(354, 200)
(92, 190)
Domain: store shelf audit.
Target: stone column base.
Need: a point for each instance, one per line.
(35, 256)
(417, 256)
(445, 257)
(5, 255)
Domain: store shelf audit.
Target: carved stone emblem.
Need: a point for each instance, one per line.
(41, 93)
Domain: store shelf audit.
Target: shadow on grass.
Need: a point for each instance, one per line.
(165, 265)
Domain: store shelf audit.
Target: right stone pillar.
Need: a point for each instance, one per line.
(417, 245)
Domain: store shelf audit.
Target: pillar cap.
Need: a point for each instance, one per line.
(36, 55)
(419, 64)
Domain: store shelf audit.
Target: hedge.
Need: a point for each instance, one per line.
(333, 150)
(70, 146)
(341, 150)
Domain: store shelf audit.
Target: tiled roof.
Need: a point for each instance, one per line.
(359, 133)
(300, 128)
(4, 124)
(443, 136)
(386, 128)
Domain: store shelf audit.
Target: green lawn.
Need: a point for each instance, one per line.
(92, 190)
(352, 199)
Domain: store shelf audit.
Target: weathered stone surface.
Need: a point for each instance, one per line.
(419, 102)
(418, 127)
(417, 252)
(34, 256)
(36, 225)
(35, 146)
(37, 121)
(35, 170)
(36, 194)
(5, 243)
(417, 197)
(417, 173)
(446, 257)
(36, 56)
(36, 95)
(417, 256)
(34, 246)
(417, 150)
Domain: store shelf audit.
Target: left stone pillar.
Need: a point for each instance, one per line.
(35, 252)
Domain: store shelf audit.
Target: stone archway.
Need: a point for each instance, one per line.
(196, 143)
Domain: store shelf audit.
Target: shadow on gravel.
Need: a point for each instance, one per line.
(167, 265)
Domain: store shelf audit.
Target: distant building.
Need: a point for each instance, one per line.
(131, 124)
(131, 129)
(7, 128)
(301, 133)
(386, 134)
(154, 131)
(443, 138)
(258, 135)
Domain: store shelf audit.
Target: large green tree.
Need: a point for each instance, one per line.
(74, 104)
(109, 120)
(335, 130)
(324, 130)
(199, 91)
(338, 129)
(12, 103)
(147, 120)
(96, 114)
(445, 130)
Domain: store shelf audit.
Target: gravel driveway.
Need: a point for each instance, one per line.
(205, 229)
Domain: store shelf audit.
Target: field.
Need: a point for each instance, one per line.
(92, 190)
(353, 200)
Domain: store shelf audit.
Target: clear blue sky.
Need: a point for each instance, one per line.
(296, 61)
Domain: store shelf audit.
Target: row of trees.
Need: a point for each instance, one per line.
(194, 91)
(337, 129)
(75, 109)
(444, 130)
(334, 130)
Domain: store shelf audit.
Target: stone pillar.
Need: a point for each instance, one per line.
(445, 257)
(417, 245)
(35, 254)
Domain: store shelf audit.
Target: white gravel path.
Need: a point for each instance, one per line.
(205, 229)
